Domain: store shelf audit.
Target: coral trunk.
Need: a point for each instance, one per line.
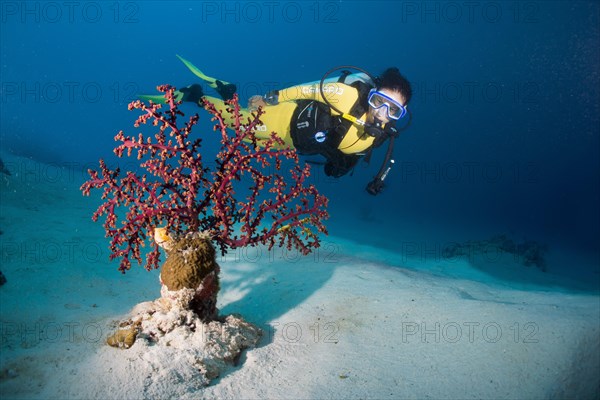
(190, 275)
(204, 303)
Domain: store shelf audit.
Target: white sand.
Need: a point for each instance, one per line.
(349, 322)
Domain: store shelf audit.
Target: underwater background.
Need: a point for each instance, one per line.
(502, 150)
(505, 112)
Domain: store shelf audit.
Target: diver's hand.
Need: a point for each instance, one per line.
(272, 97)
(256, 101)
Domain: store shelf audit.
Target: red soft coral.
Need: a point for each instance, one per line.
(180, 192)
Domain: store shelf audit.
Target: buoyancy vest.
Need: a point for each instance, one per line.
(315, 126)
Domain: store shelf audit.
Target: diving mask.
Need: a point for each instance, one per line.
(394, 109)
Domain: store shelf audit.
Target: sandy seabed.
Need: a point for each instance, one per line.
(351, 321)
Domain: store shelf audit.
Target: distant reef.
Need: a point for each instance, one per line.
(529, 252)
(3, 168)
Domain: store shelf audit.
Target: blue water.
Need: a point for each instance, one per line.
(504, 136)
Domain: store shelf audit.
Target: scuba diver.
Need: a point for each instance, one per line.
(341, 119)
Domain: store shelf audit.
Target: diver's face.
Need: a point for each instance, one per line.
(381, 112)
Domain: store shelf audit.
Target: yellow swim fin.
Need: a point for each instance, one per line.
(159, 98)
(225, 89)
(211, 81)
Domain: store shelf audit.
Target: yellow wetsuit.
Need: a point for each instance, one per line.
(275, 119)
(342, 143)
(278, 118)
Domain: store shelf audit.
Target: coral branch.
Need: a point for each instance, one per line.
(179, 192)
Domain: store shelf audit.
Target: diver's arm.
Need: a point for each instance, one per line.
(340, 164)
(256, 101)
(269, 99)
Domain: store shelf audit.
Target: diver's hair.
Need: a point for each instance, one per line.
(392, 79)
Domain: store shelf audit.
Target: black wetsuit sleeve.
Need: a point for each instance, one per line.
(340, 164)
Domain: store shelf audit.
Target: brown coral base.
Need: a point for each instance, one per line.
(204, 303)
